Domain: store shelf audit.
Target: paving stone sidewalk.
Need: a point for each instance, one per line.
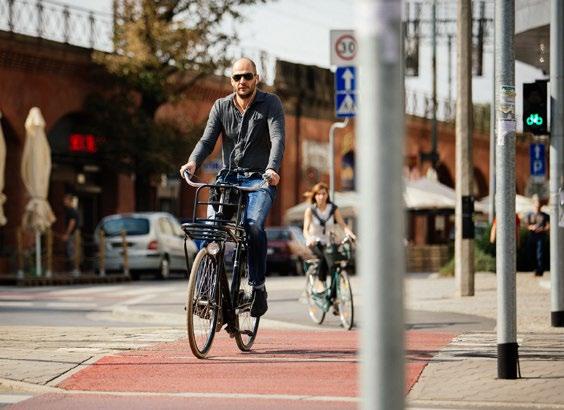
(464, 374)
(43, 355)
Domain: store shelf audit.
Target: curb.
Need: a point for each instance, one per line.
(63, 280)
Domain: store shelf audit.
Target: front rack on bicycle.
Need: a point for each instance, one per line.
(226, 225)
(210, 231)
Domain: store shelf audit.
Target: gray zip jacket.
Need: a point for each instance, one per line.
(252, 141)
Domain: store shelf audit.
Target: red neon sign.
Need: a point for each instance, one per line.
(82, 143)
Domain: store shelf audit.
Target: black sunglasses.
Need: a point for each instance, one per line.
(246, 76)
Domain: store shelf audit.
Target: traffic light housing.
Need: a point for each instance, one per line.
(535, 112)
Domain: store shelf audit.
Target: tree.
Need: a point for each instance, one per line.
(161, 48)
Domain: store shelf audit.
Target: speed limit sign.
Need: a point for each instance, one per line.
(343, 47)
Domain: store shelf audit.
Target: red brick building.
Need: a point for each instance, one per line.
(58, 78)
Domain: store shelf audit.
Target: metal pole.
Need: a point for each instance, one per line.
(434, 155)
(102, 254)
(49, 251)
(449, 103)
(37, 253)
(491, 206)
(125, 256)
(334, 126)
(464, 223)
(380, 133)
(20, 245)
(507, 348)
(557, 163)
(77, 253)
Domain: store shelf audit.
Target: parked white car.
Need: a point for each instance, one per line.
(155, 242)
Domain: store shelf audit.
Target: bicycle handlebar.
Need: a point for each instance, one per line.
(264, 183)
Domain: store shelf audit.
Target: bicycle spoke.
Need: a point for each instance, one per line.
(247, 325)
(345, 300)
(202, 311)
(315, 311)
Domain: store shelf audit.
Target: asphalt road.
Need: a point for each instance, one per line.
(158, 303)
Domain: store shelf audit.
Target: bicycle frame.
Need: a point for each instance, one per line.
(220, 230)
(325, 298)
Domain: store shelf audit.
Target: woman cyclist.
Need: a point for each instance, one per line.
(319, 224)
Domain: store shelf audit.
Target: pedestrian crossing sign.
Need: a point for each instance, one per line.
(345, 105)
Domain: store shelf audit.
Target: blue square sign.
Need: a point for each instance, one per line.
(345, 92)
(538, 164)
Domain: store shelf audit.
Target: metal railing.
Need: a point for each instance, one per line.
(50, 20)
(420, 104)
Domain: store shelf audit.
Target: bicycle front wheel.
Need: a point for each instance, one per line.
(202, 307)
(316, 313)
(246, 324)
(345, 300)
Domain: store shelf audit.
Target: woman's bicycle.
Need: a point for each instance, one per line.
(338, 294)
(211, 301)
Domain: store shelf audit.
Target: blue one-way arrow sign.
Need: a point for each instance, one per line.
(345, 91)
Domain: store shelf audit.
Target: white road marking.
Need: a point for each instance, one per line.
(223, 395)
(70, 305)
(257, 358)
(15, 304)
(13, 398)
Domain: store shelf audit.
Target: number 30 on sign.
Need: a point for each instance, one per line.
(343, 47)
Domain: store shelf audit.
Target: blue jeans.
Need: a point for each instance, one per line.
(258, 206)
(538, 248)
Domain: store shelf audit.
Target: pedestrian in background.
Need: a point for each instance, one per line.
(538, 223)
(71, 225)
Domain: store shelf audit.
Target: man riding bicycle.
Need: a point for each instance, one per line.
(251, 123)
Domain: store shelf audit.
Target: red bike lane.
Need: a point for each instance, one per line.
(286, 369)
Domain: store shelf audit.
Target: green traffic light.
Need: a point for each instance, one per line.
(534, 119)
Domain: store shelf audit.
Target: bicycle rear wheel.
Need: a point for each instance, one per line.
(202, 306)
(246, 324)
(345, 300)
(316, 313)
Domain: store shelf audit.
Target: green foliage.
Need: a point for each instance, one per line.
(156, 39)
(483, 262)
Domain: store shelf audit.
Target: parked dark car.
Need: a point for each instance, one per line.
(286, 250)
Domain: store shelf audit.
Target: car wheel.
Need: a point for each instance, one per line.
(164, 269)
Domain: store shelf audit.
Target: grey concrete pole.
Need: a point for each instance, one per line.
(380, 133)
(464, 224)
(507, 348)
(557, 162)
(434, 155)
(332, 130)
(491, 206)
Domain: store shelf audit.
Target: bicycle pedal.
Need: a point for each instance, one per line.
(231, 330)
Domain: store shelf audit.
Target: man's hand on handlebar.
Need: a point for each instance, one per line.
(272, 177)
(190, 166)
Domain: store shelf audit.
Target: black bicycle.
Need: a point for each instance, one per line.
(338, 295)
(211, 302)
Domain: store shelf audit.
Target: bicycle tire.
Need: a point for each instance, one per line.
(345, 300)
(202, 305)
(246, 324)
(316, 313)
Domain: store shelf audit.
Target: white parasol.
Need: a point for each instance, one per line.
(36, 168)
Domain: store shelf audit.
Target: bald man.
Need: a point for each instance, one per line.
(251, 123)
